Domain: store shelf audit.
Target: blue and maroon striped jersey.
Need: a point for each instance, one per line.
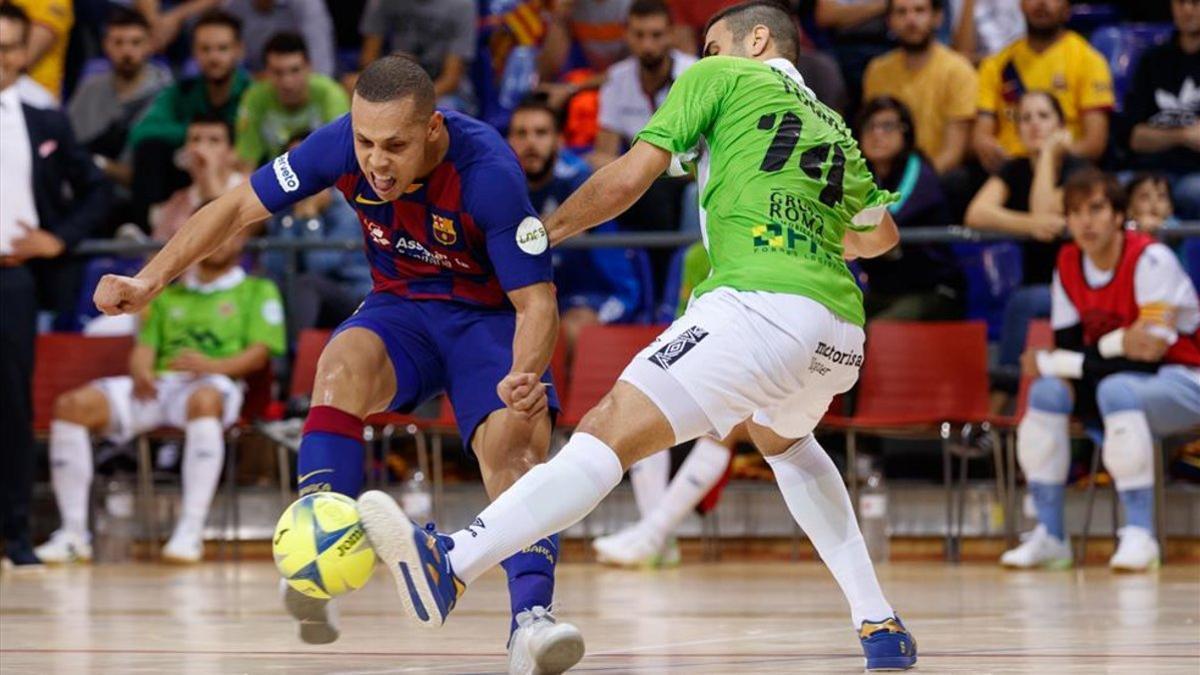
(466, 232)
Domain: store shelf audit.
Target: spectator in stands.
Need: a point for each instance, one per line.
(980, 28)
(1163, 108)
(39, 221)
(203, 334)
(860, 33)
(330, 284)
(1049, 58)
(51, 22)
(291, 99)
(637, 85)
(217, 48)
(1150, 206)
(263, 19)
(1126, 357)
(1025, 199)
(937, 84)
(441, 36)
(912, 281)
(588, 35)
(594, 285)
(106, 105)
(209, 158)
(166, 24)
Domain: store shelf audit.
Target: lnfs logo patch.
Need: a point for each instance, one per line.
(675, 349)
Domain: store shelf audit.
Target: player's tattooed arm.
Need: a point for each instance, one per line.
(608, 192)
(533, 345)
(203, 232)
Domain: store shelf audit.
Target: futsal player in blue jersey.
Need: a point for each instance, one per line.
(462, 303)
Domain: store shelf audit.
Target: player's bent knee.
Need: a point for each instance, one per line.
(1116, 393)
(1043, 446)
(1050, 394)
(85, 406)
(205, 402)
(354, 373)
(1127, 447)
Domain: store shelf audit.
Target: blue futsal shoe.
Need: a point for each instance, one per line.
(887, 645)
(416, 558)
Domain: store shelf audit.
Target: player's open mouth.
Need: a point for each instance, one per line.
(382, 184)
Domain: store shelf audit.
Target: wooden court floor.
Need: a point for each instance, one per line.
(699, 618)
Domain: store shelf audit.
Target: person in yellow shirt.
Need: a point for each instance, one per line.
(937, 84)
(1049, 58)
(52, 21)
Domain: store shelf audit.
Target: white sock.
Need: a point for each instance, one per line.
(818, 500)
(704, 466)
(549, 498)
(203, 457)
(649, 477)
(71, 473)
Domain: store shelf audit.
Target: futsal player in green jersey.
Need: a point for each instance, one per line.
(770, 337)
(197, 340)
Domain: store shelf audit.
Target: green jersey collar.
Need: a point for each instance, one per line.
(226, 281)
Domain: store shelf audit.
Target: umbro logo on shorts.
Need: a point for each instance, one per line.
(675, 349)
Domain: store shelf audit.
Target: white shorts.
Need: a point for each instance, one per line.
(775, 357)
(129, 416)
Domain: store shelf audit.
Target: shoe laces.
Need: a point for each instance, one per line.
(534, 614)
(445, 539)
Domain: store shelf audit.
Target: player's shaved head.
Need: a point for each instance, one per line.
(742, 18)
(394, 78)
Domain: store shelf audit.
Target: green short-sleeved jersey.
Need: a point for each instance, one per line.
(239, 311)
(264, 125)
(784, 180)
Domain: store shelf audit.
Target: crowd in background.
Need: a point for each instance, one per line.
(974, 111)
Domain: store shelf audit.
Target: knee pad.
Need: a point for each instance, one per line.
(1116, 393)
(1127, 447)
(1050, 394)
(1043, 446)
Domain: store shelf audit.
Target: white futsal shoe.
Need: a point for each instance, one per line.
(1137, 551)
(184, 548)
(1041, 549)
(543, 646)
(318, 618)
(65, 547)
(634, 547)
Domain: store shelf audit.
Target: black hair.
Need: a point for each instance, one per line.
(13, 13)
(1046, 93)
(773, 14)
(213, 118)
(285, 42)
(217, 17)
(882, 104)
(124, 17)
(642, 8)
(1143, 177)
(535, 103)
(396, 77)
(935, 5)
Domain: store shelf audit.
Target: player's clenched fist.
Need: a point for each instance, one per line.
(123, 295)
(523, 393)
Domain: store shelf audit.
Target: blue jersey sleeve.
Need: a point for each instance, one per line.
(517, 242)
(315, 164)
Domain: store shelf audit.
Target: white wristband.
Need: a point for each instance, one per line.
(1061, 363)
(1112, 344)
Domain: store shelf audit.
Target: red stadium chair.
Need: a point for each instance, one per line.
(600, 355)
(66, 361)
(918, 380)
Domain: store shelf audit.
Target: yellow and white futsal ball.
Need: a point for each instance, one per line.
(320, 546)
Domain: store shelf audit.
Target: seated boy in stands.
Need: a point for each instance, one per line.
(197, 339)
(1127, 358)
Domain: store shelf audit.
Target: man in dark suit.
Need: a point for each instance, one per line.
(53, 197)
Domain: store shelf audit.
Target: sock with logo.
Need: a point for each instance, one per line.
(203, 457)
(531, 576)
(331, 452)
(549, 498)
